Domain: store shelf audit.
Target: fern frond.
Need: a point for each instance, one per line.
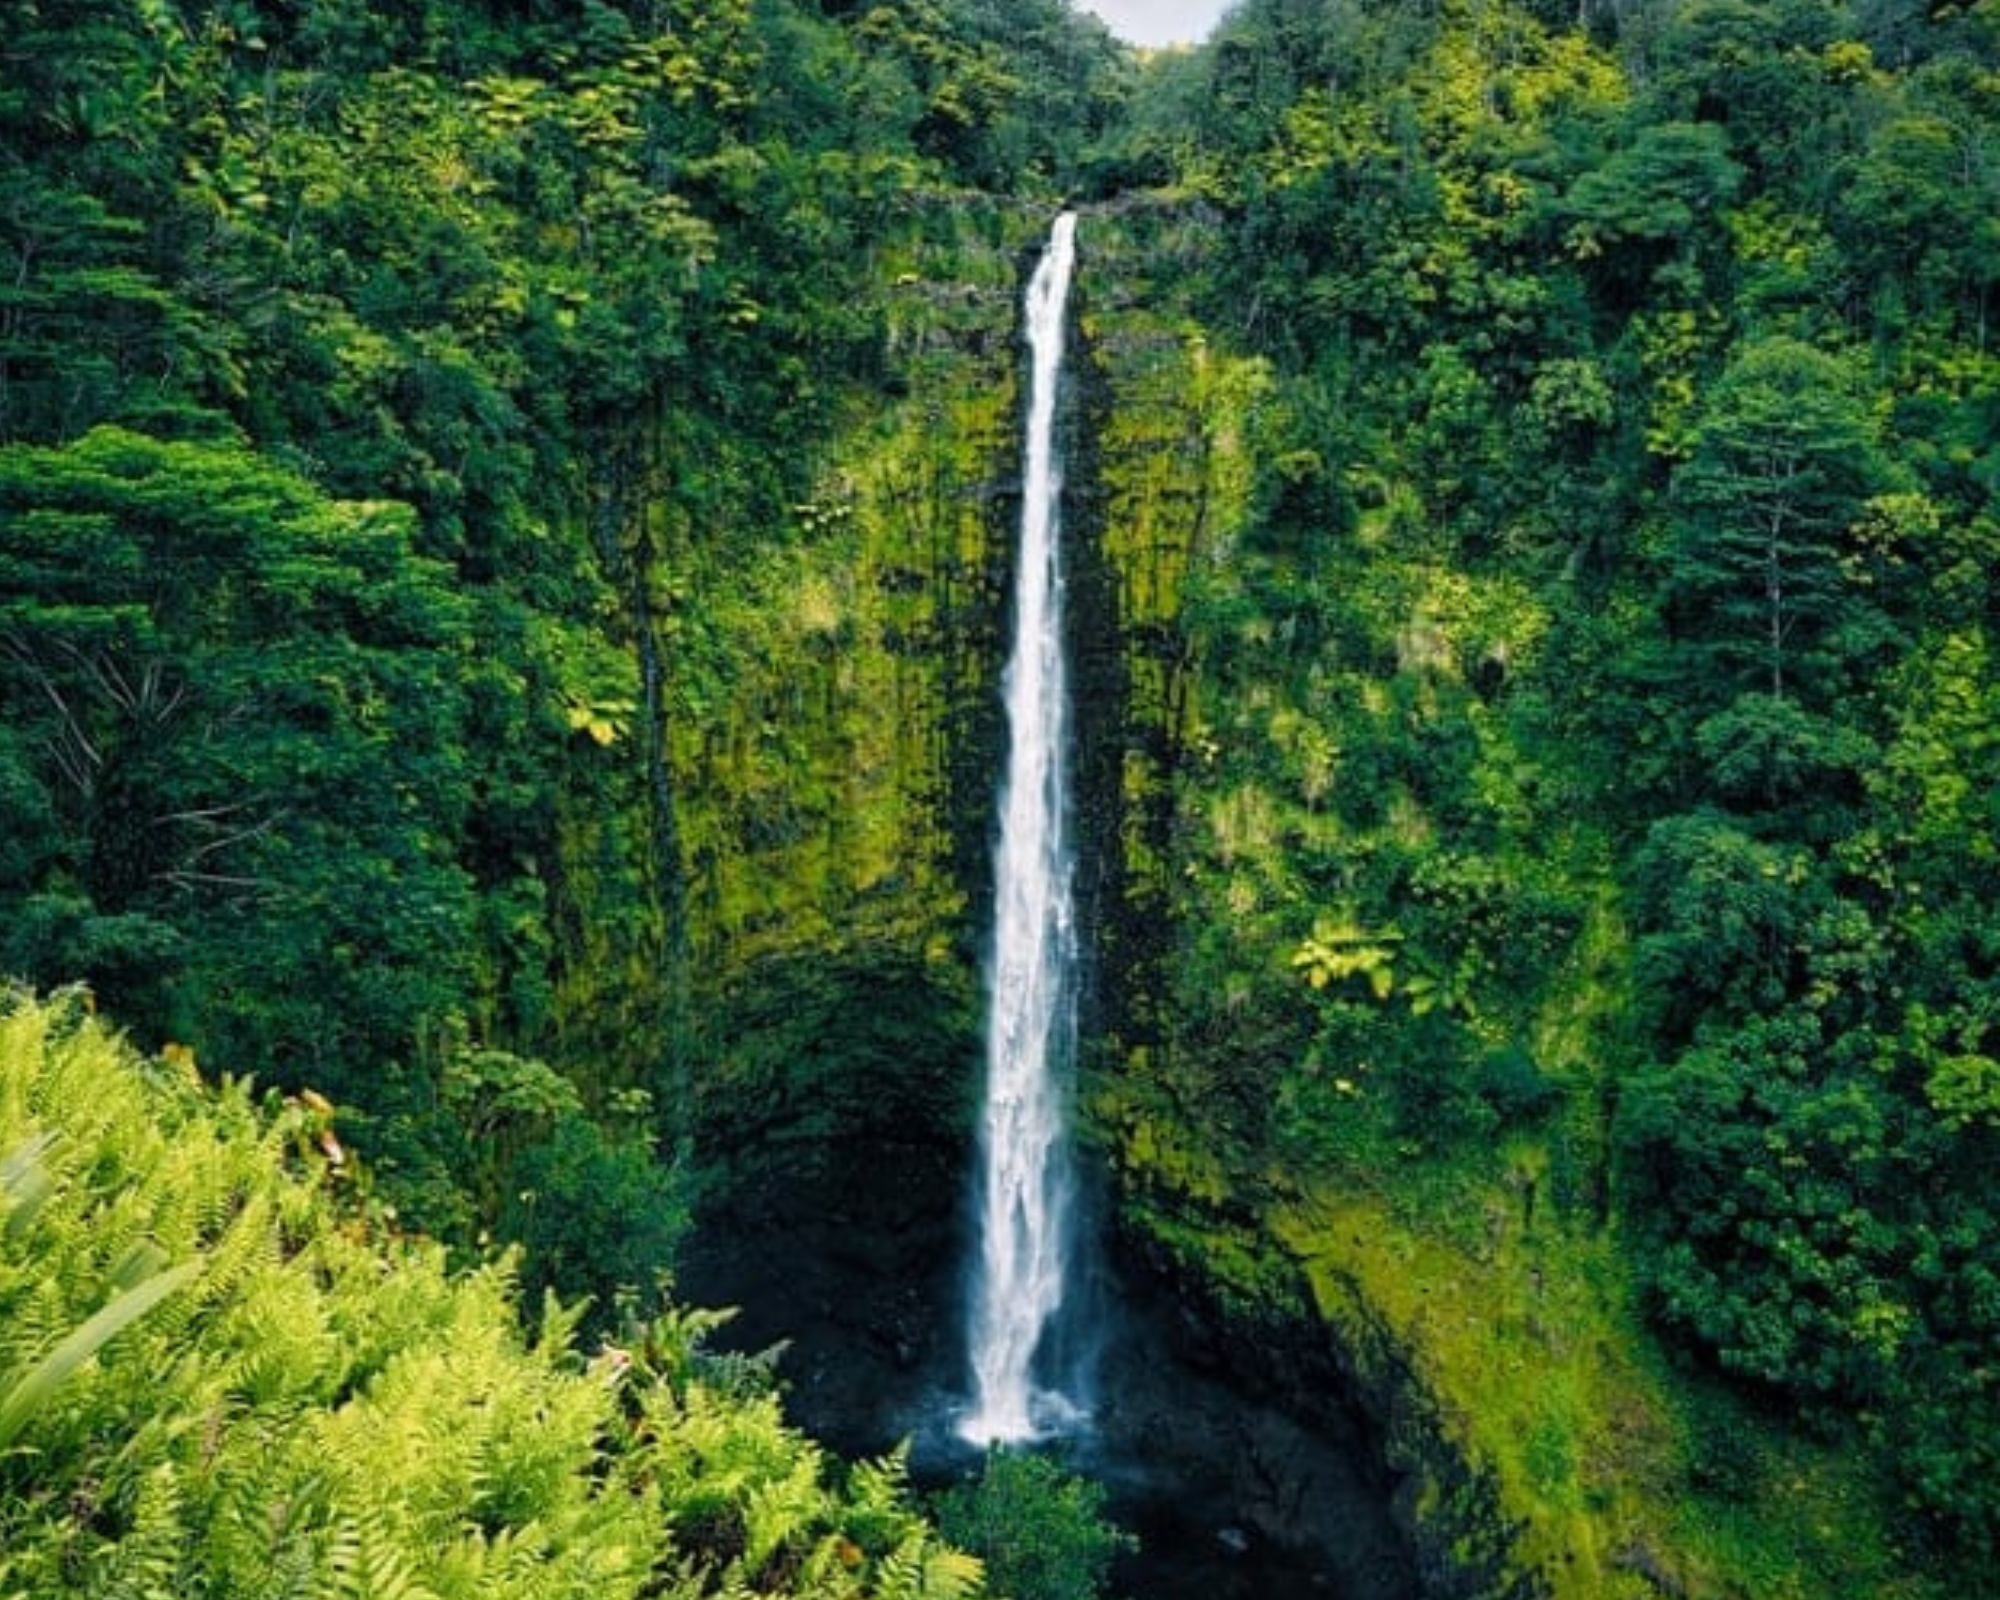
(298, 1413)
(920, 1568)
(951, 1574)
(382, 1569)
(145, 1564)
(899, 1574)
(672, 1346)
(877, 1487)
(784, 1510)
(28, 1392)
(337, 1577)
(297, 1569)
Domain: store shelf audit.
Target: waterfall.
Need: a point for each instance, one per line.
(1024, 1186)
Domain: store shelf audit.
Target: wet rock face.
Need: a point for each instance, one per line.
(834, 1145)
(1244, 1461)
(1335, 1377)
(857, 1279)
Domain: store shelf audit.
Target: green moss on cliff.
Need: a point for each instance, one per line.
(832, 682)
(1531, 1343)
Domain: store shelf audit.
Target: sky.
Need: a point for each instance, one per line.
(1159, 21)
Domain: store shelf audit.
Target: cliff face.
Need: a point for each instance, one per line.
(1167, 488)
(1369, 1205)
(1163, 488)
(835, 813)
(839, 729)
(837, 789)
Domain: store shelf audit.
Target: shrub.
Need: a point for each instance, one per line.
(1040, 1529)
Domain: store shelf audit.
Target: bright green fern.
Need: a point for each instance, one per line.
(216, 1381)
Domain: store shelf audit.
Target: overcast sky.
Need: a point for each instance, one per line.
(1159, 21)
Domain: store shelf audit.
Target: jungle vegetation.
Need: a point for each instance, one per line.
(472, 477)
(221, 1378)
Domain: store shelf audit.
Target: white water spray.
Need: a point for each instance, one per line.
(1024, 1181)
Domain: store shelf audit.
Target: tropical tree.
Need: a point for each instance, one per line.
(1784, 458)
(238, 744)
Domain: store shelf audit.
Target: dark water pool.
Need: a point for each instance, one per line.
(1236, 1490)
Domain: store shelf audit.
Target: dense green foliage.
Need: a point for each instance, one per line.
(498, 608)
(250, 703)
(217, 1378)
(376, 385)
(1040, 1530)
(1596, 703)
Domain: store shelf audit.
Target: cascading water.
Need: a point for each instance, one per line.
(1024, 1192)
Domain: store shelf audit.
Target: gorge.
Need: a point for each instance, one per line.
(1235, 1496)
(510, 521)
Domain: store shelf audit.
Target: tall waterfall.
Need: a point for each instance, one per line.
(1024, 1193)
